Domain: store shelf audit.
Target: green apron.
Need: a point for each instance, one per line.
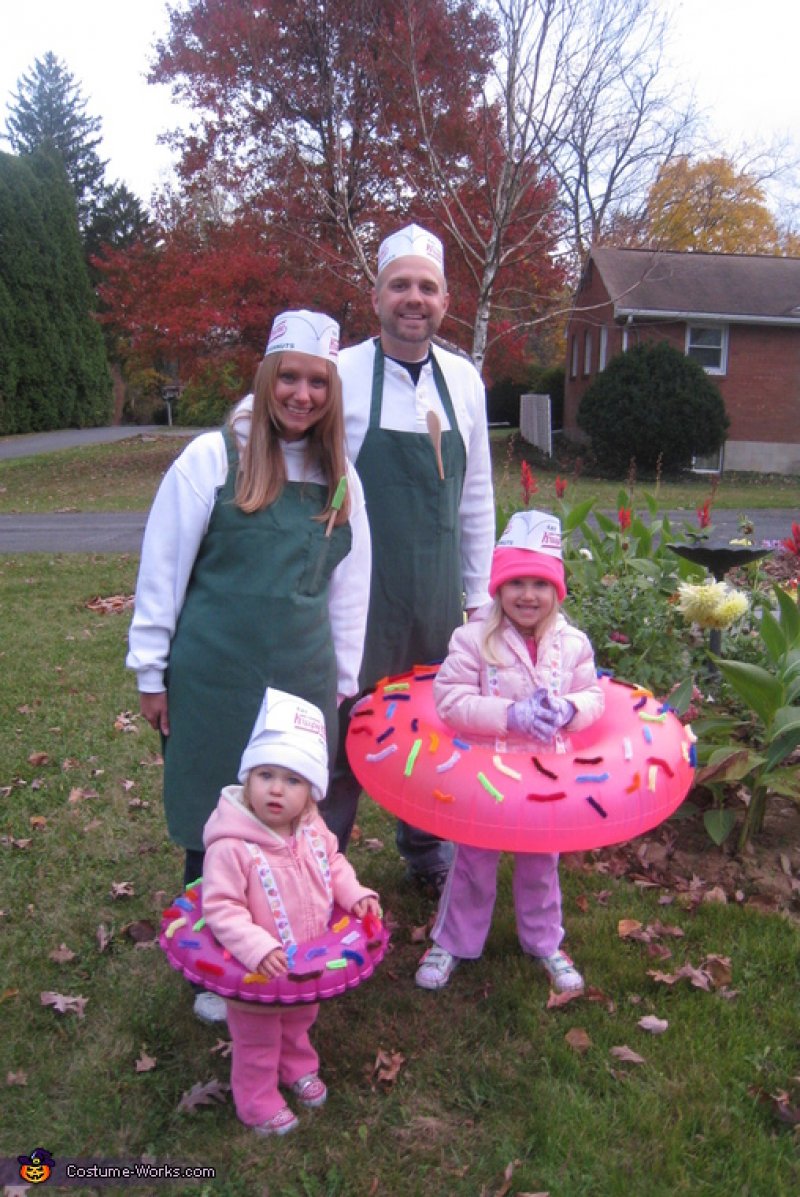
(416, 595)
(255, 615)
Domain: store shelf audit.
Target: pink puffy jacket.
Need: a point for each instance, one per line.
(234, 903)
(474, 697)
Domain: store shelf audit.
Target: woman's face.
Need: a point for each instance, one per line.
(527, 602)
(301, 394)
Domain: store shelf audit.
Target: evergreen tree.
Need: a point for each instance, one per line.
(48, 109)
(53, 370)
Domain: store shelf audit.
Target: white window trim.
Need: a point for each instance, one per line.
(587, 352)
(723, 328)
(602, 352)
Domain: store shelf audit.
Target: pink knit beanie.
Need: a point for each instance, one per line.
(530, 547)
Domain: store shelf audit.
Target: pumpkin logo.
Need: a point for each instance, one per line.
(36, 1167)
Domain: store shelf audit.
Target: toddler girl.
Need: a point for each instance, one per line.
(271, 874)
(518, 671)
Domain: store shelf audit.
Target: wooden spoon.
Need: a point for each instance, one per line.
(435, 433)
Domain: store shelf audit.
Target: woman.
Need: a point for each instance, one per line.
(254, 573)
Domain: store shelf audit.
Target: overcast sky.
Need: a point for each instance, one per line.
(740, 55)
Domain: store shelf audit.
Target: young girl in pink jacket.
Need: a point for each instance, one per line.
(271, 874)
(517, 672)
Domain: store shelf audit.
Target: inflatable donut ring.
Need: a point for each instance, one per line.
(622, 776)
(319, 968)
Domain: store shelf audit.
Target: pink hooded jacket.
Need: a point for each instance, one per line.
(234, 903)
(473, 696)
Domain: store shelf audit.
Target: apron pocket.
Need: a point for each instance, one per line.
(449, 495)
(324, 554)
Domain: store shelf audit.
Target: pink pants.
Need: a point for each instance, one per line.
(465, 909)
(270, 1046)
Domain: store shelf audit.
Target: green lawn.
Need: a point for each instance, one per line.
(489, 1096)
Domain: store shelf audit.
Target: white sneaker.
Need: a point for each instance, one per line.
(210, 1007)
(436, 968)
(563, 974)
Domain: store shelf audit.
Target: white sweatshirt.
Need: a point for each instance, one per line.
(179, 520)
(404, 409)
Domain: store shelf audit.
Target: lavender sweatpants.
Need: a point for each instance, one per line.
(269, 1046)
(465, 909)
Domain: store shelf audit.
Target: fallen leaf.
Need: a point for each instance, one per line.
(17, 1078)
(627, 1055)
(653, 1025)
(628, 927)
(222, 1048)
(38, 758)
(122, 889)
(103, 936)
(63, 1003)
(38, 822)
(556, 1000)
(716, 894)
(126, 722)
(718, 969)
(145, 1063)
(419, 934)
(113, 605)
(62, 954)
(203, 1094)
(142, 931)
(373, 845)
(578, 1039)
(387, 1066)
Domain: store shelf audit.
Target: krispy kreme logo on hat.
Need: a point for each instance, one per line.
(304, 332)
(411, 242)
(305, 720)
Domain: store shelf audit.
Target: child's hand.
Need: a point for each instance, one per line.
(539, 716)
(274, 963)
(367, 906)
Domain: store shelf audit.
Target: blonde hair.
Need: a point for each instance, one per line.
(262, 470)
(497, 617)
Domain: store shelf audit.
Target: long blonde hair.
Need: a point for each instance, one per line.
(262, 470)
(497, 617)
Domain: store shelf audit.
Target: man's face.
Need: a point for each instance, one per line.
(410, 299)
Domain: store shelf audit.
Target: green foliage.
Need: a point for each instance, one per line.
(621, 579)
(54, 372)
(756, 752)
(207, 400)
(653, 404)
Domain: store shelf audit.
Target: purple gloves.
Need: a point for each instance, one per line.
(539, 716)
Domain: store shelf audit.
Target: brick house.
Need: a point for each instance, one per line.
(738, 315)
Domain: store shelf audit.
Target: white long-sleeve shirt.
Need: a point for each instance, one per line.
(179, 520)
(404, 409)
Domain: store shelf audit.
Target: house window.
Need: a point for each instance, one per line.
(573, 357)
(603, 353)
(709, 463)
(708, 345)
(587, 352)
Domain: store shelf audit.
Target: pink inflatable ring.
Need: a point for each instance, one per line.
(622, 776)
(319, 968)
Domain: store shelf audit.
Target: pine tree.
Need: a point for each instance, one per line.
(49, 110)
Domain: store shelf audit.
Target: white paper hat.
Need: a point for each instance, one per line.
(289, 732)
(304, 332)
(411, 242)
(537, 531)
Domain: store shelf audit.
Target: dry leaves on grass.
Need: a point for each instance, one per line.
(145, 1063)
(115, 604)
(126, 722)
(626, 1054)
(714, 972)
(386, 1068)
(204, 1093)
(122, 889)
(62, 954)
(784, 1105)
(63, 1003)
(653, 1025)
(579, 1040)
(17, 1078)
(37, 759)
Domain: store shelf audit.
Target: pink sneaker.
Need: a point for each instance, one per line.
(310, 1091)
(279, 1124)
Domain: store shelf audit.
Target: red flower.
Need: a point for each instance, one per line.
(792, 543)
(619, 637)
(704, 514)
(624, 517)
(529, 485)
(561, 486)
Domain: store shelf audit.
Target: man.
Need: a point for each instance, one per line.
(432, 529)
